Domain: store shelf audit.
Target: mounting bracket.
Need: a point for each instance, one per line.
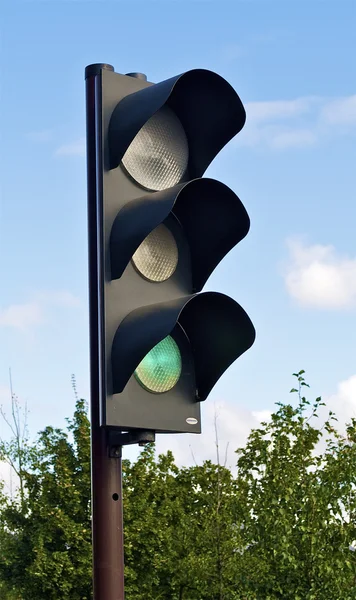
(117, 439)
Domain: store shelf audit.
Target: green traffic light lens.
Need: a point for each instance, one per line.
(161, 368)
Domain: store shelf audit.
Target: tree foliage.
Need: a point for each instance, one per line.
(46, 537)
(281, 528)
(299, 505)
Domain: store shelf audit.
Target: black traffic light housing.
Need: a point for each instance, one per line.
(131, 313)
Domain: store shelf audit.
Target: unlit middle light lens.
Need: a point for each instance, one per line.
(157, 257)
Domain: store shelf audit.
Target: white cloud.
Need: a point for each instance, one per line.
(7, 475)
(8, 478)
(59, 298)
(317, 276)
(292, 138)
(278, 124)
(21, 316)
(343, 402)
(300, 122)
(5, 395)
(276, 137)
(234, 424)
(278, 109)
(262, 415)
(27, 315)
(340, 112)
(75, 148)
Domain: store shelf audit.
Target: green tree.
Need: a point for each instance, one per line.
(46, 538)
(180, 531)
(298, 506)
(16, 450)
(6, 589)
(281, 528)
(210, 535)
(153, 518)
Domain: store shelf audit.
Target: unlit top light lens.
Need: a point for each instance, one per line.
(157, 158)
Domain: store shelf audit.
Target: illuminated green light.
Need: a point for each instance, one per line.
(160, 370)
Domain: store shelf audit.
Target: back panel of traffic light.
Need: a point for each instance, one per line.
(159, 231)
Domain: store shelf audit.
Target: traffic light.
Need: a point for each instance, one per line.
(156, 233)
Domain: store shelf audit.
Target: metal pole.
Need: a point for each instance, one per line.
(106, 470)
(107, 521)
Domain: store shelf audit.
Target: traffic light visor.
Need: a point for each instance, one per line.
(213, 220)
(217, 328)
(182, 122)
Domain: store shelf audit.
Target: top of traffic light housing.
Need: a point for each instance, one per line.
(157, 232)
(208, 109)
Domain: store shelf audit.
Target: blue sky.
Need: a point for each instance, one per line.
(293, 166)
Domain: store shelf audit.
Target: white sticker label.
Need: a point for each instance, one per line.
(192, 421)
